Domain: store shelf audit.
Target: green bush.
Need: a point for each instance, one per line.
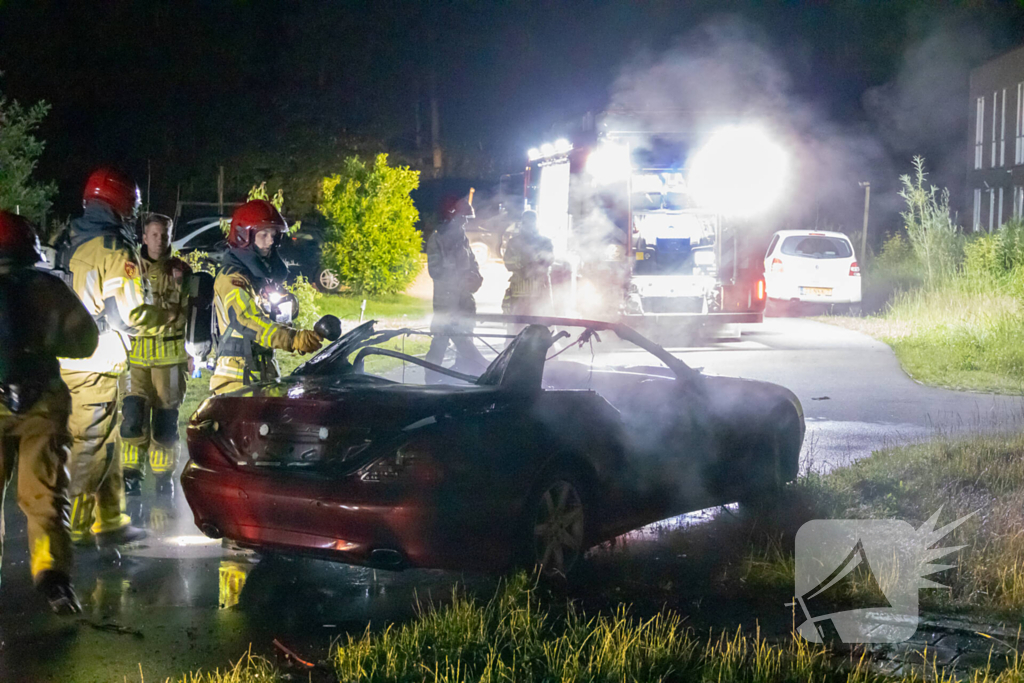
(307, 296)
(372, 242)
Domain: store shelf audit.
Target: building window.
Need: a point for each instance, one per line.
(979, 132)
(995, 130)
(1018, 201)
(977, 210)
(999, 222)
(1018, 157)
(991, 207)
(1002, 132)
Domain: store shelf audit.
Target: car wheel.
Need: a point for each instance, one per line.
(481, 252)
(328, 281)
(556, 527)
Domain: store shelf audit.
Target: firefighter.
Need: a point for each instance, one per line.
(158, 367)
(101, 262)
(40, 319)
(251, 271)
(528, 256)
(456, 275)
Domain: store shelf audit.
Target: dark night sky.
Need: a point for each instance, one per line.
(265, 85)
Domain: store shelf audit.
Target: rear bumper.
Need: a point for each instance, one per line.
(842, 293)
(700, 318)
(343, 519)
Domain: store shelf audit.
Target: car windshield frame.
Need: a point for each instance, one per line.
(334, 358)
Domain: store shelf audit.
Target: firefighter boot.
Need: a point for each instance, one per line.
(165, 485)
(56, 588)
(132, 482)
(123, 536)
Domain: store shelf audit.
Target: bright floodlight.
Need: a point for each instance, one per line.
(562, 145)
(609, 163)
(547, 149)
(739, 172)
(533, 154)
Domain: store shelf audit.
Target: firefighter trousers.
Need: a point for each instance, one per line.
(97, 483)
(152, 396)
(36, 444)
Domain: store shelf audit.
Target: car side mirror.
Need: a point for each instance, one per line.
(328, 327)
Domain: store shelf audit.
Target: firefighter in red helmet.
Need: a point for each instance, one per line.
(456, 276)
(40, 319)
(251, 323)
(100, 262)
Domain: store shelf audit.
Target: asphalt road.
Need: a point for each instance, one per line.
(180, 601)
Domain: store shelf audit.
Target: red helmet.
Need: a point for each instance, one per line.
(453, 205)
(18, 242)
(253, 217)
(114, 188)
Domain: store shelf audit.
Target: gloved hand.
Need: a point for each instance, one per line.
(306, 341)
(148, 315)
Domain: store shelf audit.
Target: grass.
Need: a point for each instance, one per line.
(518, 636)
(963, 334)
(346, 306)
(983, 475)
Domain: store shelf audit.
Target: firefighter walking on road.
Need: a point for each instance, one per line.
(456, 276)
(101, 262)
(40, 319)
(528, 256)
(250, 279)
(154, 386)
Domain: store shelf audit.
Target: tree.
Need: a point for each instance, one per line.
(19, 154)
(372, 242)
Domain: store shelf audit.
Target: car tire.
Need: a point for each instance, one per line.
(554, 530)
(481, 252)
(328, 281)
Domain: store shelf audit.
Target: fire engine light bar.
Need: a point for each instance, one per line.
(549, 149)
(533, 154)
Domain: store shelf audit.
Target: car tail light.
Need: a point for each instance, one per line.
(776, 265)
(760, 290)
(408, 463)
(854, 269)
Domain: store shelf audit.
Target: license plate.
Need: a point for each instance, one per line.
(816, 291)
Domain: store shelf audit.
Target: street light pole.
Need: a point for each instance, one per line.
(864, 232)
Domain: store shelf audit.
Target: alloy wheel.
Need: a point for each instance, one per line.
(329, 280)
(558, 529)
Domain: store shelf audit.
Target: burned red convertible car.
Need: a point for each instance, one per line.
(355, 457)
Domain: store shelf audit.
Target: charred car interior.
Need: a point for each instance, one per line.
(369, 454)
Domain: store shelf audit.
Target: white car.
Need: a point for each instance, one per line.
(810, 266)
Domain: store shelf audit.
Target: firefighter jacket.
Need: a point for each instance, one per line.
(453, 268)
(105, 276)
(167, 280)
(40, 319)
(529, 256)
(247, 335)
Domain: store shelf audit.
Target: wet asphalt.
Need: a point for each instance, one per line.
(179, 601)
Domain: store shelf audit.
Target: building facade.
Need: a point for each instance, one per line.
(995, 180)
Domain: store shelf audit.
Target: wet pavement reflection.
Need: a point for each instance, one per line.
(180, 601)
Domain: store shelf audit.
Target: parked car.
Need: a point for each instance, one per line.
(810, 266)
(354, 458)
(300, 251)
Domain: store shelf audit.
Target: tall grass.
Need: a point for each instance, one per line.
(515, 637)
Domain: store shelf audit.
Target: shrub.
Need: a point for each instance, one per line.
(933, 232)
(307, 296)
(372, 242)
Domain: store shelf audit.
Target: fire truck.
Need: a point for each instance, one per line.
(632, 241)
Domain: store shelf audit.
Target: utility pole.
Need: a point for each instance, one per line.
(864, 233)
(220, 192)
(435, 127)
